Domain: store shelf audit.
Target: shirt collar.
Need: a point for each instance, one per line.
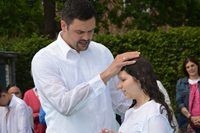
(65, 48)
(12, 101)
(63, 45)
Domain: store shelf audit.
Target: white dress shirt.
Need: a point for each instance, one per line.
(18, 118)
(146, 119)
(71, 92)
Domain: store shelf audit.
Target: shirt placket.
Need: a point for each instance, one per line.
(90, 72)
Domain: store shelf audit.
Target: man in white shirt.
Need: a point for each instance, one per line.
(76, 77)
(14, 116)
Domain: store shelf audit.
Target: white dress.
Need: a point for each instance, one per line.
(146, 119)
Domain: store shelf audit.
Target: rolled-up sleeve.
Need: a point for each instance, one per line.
(67, 101)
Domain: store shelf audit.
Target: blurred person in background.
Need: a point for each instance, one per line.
(14, 88)
(31, 98)
(14, 117)
(187, 97)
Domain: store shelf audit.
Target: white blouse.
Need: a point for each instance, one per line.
(193, 81)
(146, 119)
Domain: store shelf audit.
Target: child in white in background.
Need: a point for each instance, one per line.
(14, 116)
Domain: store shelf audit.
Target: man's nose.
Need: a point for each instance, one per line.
(86, 36)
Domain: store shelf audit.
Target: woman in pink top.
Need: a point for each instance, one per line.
(32, 99)
(188, 98)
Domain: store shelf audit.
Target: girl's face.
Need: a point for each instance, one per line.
(192, 69)
(15, 90)
(130, 86)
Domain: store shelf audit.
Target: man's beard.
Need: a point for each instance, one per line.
(82, 41)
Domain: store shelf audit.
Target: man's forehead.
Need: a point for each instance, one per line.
(83, 25)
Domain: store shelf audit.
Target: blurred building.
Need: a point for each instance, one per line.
(7, 67)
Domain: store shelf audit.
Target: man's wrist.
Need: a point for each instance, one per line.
(105, 77)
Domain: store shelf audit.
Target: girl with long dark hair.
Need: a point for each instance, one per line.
(149, 113)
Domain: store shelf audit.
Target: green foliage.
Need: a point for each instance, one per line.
(20, 17)
(151, 14)
(23, 17)
(26, 47)
(165, 50)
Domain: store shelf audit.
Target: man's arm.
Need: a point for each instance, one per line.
(54, 90)
(120, 61)
(119, 102)
(68, 101)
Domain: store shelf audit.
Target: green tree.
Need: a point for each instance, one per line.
(151, 14)
(21, 17)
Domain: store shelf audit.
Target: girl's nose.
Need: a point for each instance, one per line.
(119, 86)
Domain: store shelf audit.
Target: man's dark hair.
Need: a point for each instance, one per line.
(2, 90)
(82, 10)
(189, 59)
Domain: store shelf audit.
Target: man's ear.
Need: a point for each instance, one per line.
(63, 25)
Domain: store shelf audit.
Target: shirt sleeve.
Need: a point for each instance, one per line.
(47, 79)
(159, 124)
(163, 90)
(179, 100)
(23, 119)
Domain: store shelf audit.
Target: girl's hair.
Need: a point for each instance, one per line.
(13, 84)
(143, 71)
(189, 59)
